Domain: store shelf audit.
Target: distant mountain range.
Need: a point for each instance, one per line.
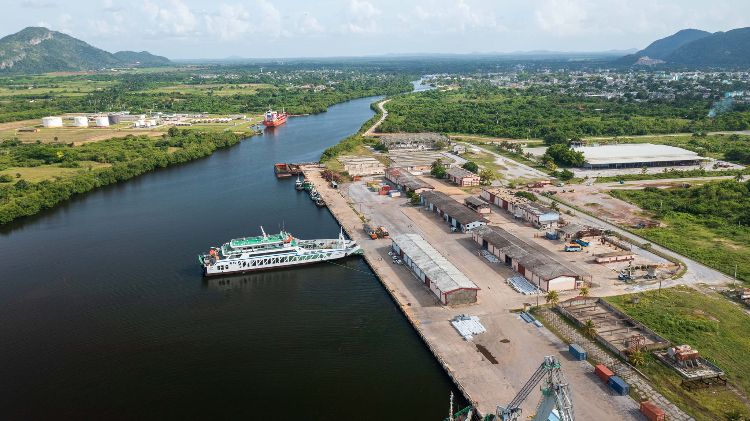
(696, 48)
(40, 50)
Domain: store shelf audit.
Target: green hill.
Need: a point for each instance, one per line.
(660, 49)
(142, 58)
(40, 50)
(722, 49)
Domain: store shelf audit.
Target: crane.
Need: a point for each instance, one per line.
(555, 394)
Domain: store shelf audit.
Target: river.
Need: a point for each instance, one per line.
(104, 313)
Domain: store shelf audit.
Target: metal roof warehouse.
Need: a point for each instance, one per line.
(448, 283)
(637, 155)
(539, 265)
(457, 215)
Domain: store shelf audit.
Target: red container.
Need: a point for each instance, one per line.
(603, 372)
(652, 412)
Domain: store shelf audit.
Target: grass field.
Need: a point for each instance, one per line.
(49, 172)
(718, 328)
(57, 87)
(215, 89)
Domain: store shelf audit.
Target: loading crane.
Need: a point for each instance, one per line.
(555, 395)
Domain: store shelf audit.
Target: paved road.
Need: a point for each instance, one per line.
(371, 130)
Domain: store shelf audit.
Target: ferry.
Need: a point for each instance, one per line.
(274, 118)
(266, 252)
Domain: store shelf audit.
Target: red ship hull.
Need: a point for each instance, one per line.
(276, 120)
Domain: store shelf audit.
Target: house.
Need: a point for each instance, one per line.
(539, 215)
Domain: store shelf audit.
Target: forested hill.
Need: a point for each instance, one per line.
(40, 50)
(142, 58)
(696, 48)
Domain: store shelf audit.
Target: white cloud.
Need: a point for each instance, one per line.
(361, 16)
(231, 22)
(562, 17)
(308, 24)
(451, 16)
(175, 19)
(39, 4)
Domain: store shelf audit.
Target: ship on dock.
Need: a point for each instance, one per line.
(275, 251)
(274, 118)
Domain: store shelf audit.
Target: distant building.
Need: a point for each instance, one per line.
(418, 162)
(448, 283)
(413, 141)
(362, 166)
(463, 177)
(536, 213)
(637, 155)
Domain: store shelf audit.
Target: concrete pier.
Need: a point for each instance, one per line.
(518, 347)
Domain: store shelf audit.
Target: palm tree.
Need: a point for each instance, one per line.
(738, 178)
(552, 297)
(589, 328)
(637, 357)
(584, 292)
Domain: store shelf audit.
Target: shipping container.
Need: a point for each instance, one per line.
(577, 351)
(619, 385)
(652, 412)
(603, 372)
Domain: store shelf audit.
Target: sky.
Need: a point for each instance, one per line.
(184, 29)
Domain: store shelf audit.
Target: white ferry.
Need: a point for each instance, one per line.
(273, 251)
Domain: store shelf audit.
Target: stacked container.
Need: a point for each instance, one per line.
(603, 372)
(577, 352)
(619, 386)
(652, 412)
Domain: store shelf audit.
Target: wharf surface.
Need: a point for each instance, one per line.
(517, 347)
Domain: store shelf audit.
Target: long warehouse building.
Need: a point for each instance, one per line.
(459, 217)
(448, 283)
(534, 262)
(637, 155)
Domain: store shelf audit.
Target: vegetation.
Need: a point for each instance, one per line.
(438, 169)
(716, 327)
(483, 109)
(93, 165)
(526, 195)
(471, 166)
(552, 298)
(589, 329)
(671, 174)
(487, 176)
(563, 155)
(709, 223)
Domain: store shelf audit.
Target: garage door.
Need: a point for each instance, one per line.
(521, 270)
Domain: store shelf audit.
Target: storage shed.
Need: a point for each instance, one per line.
(478, 205)
(405, 181)
(448, 283)
(534, 262)
(458, 216)
(462, 177)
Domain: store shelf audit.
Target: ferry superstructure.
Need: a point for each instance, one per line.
(280, 250)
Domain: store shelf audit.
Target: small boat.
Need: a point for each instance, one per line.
(314, 195)
(319, 202)
(306, 185)
(282, 170)
(298, 185)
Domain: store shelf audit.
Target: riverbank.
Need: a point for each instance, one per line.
(36, 177)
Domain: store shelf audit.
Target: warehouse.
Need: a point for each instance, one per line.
(636, 155)
(476, 204)
(413, 141)
(538, 214)
(459, 217)
(405, 181)
(448, 283)
(462, 177)
(534, 262)
(418, 162)
(502, 198)
(362, 166)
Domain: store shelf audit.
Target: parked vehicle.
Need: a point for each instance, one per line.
(370, 232)
(573, 247)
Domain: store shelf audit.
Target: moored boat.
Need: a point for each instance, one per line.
(298, 185)
(274, 118)
(273, 251)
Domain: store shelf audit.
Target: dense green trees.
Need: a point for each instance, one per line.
(471, 166)
(563, 156)
(438, 169)
(129, 157)
(519, 114)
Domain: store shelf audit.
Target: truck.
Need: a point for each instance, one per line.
(370, 232)
(581, 242)
(573, 247)
(381, 232)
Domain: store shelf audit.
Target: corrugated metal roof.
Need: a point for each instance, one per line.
(532, 256)
(459, 172)
(634, 153)
(405, 178)
(447, 204)
(441, 272)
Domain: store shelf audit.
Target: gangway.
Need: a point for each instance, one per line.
(555, 395)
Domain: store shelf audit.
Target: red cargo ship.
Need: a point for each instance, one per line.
(273, 118)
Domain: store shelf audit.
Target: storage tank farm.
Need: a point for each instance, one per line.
(80, 121)
(52, 122)
(102, 121)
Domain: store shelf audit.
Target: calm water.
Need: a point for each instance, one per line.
(104, 313)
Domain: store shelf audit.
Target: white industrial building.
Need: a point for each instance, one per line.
(101, 121)
(80, 121)
(539, 265)
(636, 155)
(448, 283)
(458, 216)
(52, 122)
